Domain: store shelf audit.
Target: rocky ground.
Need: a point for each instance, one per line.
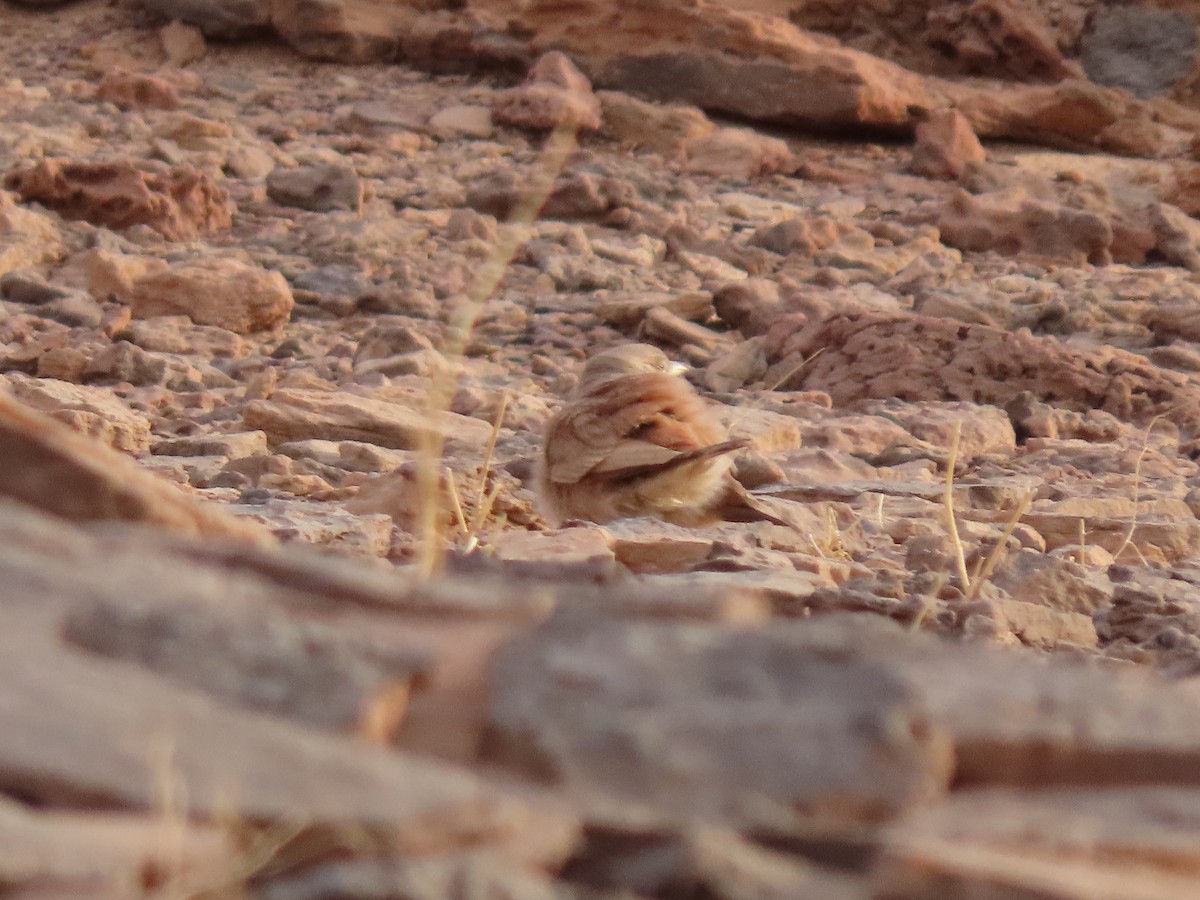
(281, 326)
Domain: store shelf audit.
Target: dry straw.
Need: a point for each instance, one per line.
(512, 235)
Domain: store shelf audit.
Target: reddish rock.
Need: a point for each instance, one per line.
(1004, 38)
(52, 467)
(1014, 224)
(182, 44)
(911, 357)
(350, 31)
(228, 293)
(749, 64)
(27, 238)
(90, 410)
(660, 128)
(1073, 114)
(179, 202)
(735, 153)
(556, 93)
(945, 144)
(133, 90)
(1178, 235)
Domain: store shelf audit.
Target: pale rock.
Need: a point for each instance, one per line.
(324, 525)
(1105, 842)
(195, 133)
(863, 436)
(1153, 536)
(581, 554)
(352, 456)
(663, 723)
(743, 364)
(249, 161)
(652, 547)
(623, 310)
(652, 127)
(233, 445)
(554, 94)
(711, 269)
(182, 44)
(27, 238)
(89, 850)
(856, 355)
(292, 415)
(1035, 624)
(52, 467)
(462, 121)
(180, 335)
(984, 430)
(317, 188)
(348, 31)
(807, 233)
(220, 291)
(198, 471)
(1089, 556)
(1178, 235)
(731, 60)
(90, 410)
(735, 153)
(766, 431)
(422, 363)
(107, 274)
(660, 324)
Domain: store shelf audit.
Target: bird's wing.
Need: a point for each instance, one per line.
(628, 425)
(633, 454)
(620, 465)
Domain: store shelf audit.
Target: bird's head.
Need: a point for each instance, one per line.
(628, 359)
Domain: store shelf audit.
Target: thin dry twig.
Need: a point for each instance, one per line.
(779, 382)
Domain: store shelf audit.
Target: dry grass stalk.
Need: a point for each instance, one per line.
(513, 234)
(491, 448)
(990, 564)
(460, 518)
(1137, 490)
(960, 558)
(779, 382)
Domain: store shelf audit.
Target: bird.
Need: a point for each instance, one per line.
(636, 440)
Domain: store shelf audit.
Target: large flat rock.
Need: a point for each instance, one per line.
(670, 723)
(47, 464)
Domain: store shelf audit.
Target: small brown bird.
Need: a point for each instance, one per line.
(636, 440)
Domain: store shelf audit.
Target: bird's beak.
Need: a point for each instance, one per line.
(677, 368)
